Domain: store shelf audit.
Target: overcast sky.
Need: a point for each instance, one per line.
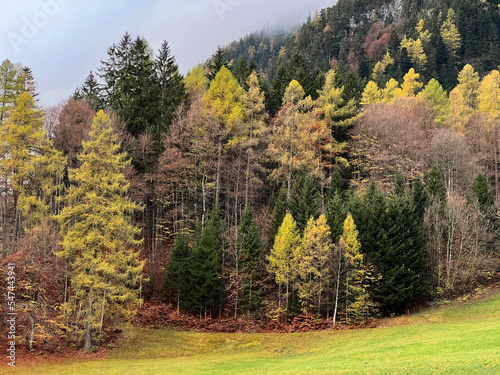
(62, 40)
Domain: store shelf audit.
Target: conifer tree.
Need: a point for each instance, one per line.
(356, 294)
(392, 91)
(420, 197)
(98, 237)
(281, 207)
(176, 272)
(310, 264)
(411, 83)
(305, 200)
(170, 86)
(287, 239)
(451, 36)
(223, 102)
(482, 193)
(251, 245)
(434, 92)
(435, 184)
(288, 145)
(255, 116)
(205, 287)
(91, 90)
(371, 94)
(216, 64)
(9, 87)
(403, 263)
(31, 166)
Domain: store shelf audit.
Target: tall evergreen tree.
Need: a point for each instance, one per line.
(171, 88)
(305, 200)
(403, 263)
(216, 64)
(280, 209)
(251, 245)
(204, 266)
(435, 184)
(176, 272)
(482, 193)
(420, 197)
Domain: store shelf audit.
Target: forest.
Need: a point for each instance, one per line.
(346, 171)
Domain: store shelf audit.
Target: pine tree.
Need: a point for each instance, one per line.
(310, 262)
(305, 200)
(280, 258)
(98, 237)
(176, 272)
(91, 90)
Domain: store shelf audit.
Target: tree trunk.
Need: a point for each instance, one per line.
(217, 189)
(337, 292)
(88, 326)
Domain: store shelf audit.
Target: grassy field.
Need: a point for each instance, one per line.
(461, 338)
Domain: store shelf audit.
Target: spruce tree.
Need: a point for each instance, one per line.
(98, 237)
(216, 64)
(251, 245)
(336, 205)
(420, 197)
(279, 211)
(482, 193)
(204, 266)
(171, 90)
(305, 200)
(403, 262)
(176, 273)
(435, 184)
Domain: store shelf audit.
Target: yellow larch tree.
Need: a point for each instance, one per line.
(310, 262)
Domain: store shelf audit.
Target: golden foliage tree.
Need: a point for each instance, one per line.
(98, 237)
(310, 263)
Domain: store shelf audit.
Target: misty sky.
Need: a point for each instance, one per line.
(62, 40)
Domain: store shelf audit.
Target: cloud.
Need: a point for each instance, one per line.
(73, 40)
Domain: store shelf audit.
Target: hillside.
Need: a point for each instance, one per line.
(460, 338)
(356, 35)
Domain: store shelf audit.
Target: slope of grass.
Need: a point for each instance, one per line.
(455, 339)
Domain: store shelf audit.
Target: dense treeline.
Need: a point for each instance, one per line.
(332, 194)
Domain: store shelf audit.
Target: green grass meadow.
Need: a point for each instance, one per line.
(460, 338)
